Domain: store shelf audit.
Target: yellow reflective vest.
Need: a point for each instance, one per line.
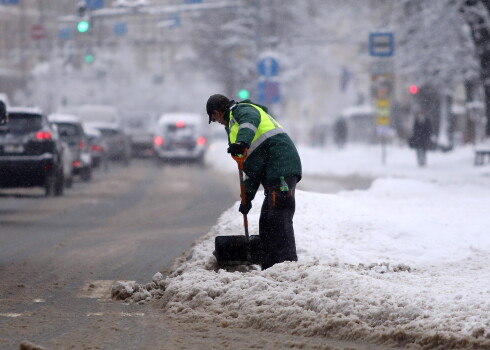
(268, 127)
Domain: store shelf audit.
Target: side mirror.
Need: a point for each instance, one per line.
(3, 113)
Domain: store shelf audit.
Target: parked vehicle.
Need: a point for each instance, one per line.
(97, 147)
(117, 142)
(31, 153)
(181, 137)
(71, 131)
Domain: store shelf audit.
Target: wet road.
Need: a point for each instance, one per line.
(59, 257)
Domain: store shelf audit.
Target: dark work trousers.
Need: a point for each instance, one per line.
(276, 224)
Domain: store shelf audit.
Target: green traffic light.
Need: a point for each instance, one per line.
(83, 26)
(89, 58)
(243, 94)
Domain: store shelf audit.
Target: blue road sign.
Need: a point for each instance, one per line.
(94, 4)
(65, 33)
(9, 2)
(268, 67)
(176, 21)
(381, 44)
(120, 28)
(268, 91)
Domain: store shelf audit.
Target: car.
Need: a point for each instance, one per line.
(180, 137)
(139, 125)
(31, 152)
(97, 147)
(71, 131)
(117, 142)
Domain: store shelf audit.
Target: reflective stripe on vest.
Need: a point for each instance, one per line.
(268, 127)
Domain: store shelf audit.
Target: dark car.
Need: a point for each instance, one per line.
(71, 131)
(30, 152)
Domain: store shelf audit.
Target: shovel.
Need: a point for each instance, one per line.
(238, 250)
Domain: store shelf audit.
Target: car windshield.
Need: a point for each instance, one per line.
(180, 132)
(68, 131)
(22, 123)
(108, 132)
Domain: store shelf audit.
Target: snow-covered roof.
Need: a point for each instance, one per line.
(90, 131)
(185, 117)
(101, 125)
(357, 110)
(63, 118)
(25, 110)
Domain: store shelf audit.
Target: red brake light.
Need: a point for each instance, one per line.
(201, 141)
(82, 145)
(158, 140)
(43, 135)
(96, 148)
(180, 124)
(76, 163)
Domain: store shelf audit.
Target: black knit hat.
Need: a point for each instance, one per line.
(217, 102)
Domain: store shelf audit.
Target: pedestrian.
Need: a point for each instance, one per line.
(340, 132)
(421, 137)
(272, 161)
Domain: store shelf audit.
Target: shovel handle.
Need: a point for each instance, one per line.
(240, 161)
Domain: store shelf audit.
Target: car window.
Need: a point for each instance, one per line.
(68, 131)
(108, 132)
(22, 123)
(180, 132)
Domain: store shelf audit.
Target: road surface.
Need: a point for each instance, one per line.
(60, 256)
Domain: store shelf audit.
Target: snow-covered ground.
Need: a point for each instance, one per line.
(405, 262)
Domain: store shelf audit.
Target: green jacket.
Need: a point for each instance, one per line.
(275, 157)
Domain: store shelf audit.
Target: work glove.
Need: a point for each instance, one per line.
(245, 208)
(237, 148)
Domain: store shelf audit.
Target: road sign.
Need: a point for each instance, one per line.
(9, 2)
(65, 33)
(269, 91)
(37, 32)
(120, 28)
(381, 44)
(94, 4)
(268, 67)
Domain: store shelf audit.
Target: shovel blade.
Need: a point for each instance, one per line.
(237, 250)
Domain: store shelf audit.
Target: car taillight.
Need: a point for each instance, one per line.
(82, 145)
(158, 140)
(96, 148)
(43, 135)
(201, 141)
(76, 163)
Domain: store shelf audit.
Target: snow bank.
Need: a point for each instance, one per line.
(403, 263)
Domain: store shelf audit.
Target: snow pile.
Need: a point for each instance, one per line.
(405, 262)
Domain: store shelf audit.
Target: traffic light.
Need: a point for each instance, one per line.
(89, 58)
(413, 89)
(83, 26)
(243, 94)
